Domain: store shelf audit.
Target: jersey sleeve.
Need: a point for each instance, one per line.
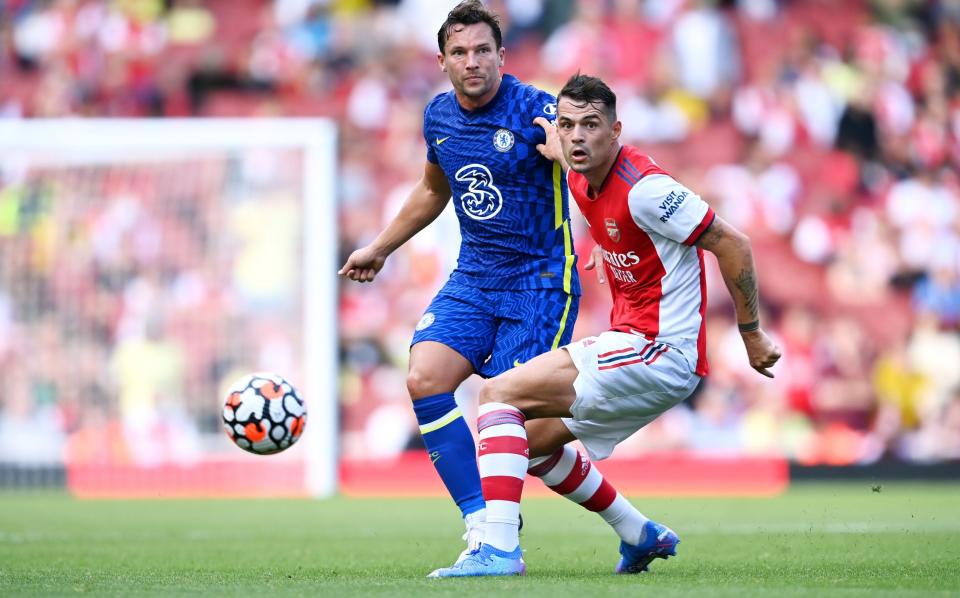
(427, 121)
(661, 205)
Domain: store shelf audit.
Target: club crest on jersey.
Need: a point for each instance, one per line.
(612, 229)
(425, 321)
(503, 140)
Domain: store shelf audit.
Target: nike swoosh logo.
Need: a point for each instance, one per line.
(517, 362)
(439, 141)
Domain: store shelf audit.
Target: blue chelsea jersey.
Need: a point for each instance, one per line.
(510, 200)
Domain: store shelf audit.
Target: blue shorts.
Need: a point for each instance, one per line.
(496, 330)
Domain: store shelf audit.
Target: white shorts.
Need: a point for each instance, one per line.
(625, 382)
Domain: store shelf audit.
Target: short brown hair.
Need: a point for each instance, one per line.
(469, 12)
(585, 89)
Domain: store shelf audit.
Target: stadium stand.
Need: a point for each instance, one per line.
(830, 131)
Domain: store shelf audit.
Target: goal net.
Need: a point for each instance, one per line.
(144, 265)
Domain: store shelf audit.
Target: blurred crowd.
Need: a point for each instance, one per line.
(132, 293)
(828, 130)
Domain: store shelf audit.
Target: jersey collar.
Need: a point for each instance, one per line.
(606, 179)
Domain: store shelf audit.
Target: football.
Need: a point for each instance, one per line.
(263, 414)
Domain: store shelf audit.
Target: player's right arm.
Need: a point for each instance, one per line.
(596, 262)
(423, 205)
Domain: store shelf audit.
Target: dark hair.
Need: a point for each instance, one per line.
(469, 12)
(585, 89)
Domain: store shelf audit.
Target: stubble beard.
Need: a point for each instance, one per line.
(476, 92)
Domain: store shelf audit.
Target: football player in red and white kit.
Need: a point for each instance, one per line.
(652, 232)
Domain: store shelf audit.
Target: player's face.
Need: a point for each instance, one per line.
(472, 61)
(588, 138)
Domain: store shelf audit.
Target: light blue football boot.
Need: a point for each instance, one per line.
(486, 561)
(659, 542)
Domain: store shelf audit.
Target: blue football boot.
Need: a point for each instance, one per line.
(487, 561)
(659, 542)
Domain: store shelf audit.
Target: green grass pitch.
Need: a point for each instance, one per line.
(815, 540)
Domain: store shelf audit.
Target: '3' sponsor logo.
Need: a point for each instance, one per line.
(482, 199)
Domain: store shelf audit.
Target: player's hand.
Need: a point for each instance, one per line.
(596, 259)
(363, 265)
(551, 150)
(761, 351)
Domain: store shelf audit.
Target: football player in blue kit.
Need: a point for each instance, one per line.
(515, 292)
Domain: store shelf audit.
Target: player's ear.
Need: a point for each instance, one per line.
(502, 53)
(616, 129)
(441, 62)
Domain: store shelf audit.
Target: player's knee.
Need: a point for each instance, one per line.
(496, 390)
(422, 383)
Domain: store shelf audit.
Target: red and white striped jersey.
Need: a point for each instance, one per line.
(647, 224)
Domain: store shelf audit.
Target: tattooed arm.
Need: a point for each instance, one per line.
(735, 258)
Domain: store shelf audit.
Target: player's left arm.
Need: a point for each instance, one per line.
(735, 258)
(551, 149)
(543, 107)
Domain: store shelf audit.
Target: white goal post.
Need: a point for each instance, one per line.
(31, 145)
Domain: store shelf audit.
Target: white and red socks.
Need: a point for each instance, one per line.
(503, 460)
(570, 473)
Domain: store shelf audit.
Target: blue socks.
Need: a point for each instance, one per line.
(451, 448)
